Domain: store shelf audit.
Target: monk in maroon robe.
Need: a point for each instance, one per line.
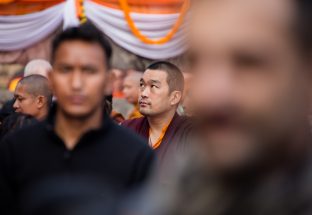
(161, 89)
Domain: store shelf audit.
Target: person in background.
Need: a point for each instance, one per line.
(131, 89)
(38, 67)
(161, 89)
(117, 82)
(34, 67)
(33, 96)
(77, 143)
(251, 61)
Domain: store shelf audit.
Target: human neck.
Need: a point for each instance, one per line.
(42, 115)
(71, 129)
(157, 123)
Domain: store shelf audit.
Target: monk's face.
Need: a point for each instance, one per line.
(79, 78)
(154, 96)
(250, 87)
(25, 102)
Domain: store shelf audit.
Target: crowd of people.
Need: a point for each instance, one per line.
(227, 132)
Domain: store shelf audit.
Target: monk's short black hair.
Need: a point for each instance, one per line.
(37, 85)
(175, 77)
(87, 33)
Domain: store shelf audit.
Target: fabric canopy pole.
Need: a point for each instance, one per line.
(112, 23)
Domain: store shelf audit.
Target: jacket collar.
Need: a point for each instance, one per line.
(51, 118)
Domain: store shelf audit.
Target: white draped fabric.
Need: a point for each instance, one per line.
(69, 15)
(19, 32)
(154, 26)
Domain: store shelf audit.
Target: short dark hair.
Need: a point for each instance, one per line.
(37, 85)
(303, 25)
(175, 77)
(87, 33)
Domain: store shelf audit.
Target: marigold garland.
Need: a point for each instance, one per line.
(125, 7)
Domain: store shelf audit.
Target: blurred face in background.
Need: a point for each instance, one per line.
(79, 78)
(117, 80)
(250, 89)
(131, 88)
(154, 97)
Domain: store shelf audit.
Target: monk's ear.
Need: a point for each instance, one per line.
(40, 100)
(175, 97)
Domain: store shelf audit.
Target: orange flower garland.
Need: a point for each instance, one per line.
(125, 7)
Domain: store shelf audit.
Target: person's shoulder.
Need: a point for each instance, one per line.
(130, 123)
(184, 122)
(125, 133)
(25, 134)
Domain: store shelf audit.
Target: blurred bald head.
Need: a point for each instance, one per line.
(38, 67)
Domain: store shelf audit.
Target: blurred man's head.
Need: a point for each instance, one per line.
(33, 96)
(131, 87)
(252, 80)
(81, 57)
(161, 89)
(37, 67)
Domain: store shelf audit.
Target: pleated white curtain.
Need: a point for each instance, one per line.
(19, 32)
(154, 26)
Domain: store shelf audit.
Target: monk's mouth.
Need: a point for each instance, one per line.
(144, 104)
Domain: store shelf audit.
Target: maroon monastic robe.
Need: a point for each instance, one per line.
(175, 137)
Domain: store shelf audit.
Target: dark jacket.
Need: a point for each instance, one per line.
(111, 155)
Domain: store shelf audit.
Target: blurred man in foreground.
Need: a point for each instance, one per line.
(251, 61)
(33, 96)
(161, 89)
(131, 89)
(78, 148)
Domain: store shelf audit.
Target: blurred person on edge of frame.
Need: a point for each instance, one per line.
(251, 61)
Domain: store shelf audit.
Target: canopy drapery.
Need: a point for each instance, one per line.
(153, 29)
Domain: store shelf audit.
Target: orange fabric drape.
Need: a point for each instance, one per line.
(20, 7)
